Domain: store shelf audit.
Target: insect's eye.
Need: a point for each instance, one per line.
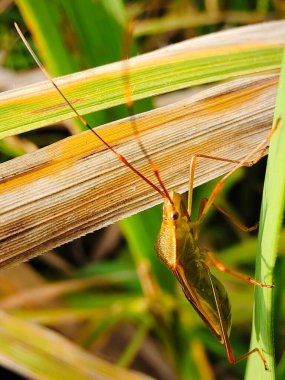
(174, 215)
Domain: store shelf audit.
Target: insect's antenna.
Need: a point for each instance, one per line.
(127, 38)
(81, 118)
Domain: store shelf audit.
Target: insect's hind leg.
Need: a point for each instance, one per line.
(213, 261)
(227, 343)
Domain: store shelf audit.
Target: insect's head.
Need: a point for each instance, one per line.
(173, 208)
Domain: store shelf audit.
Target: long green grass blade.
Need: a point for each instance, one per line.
(208, 59)
(270, 224)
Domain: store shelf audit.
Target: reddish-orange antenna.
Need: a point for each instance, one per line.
(163, 193)
(128, 32)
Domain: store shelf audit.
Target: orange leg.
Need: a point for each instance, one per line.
(212, 260)
(193, 164)
(247, 161)
(230, 217)
(227, 343)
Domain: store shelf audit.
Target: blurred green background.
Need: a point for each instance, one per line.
(135, 315)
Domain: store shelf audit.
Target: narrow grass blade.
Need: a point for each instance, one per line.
(270, 224)
(219, 56)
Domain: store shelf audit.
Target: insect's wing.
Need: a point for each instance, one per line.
(205, 309)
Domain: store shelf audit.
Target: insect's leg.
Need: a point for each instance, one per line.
(230, 217)
(227, 343)
(202, 205)
(212, 260)
(247, 161)
(193, 164)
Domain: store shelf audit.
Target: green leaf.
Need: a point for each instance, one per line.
(208, 59)
(270, 224)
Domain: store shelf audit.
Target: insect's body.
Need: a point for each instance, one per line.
(178, 247)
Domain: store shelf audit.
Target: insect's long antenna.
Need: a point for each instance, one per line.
(128, 32)
(163, 193)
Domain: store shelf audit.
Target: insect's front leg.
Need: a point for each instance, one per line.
(252, 158)
(192, 168)
(213, 261)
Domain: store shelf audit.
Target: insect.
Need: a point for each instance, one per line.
(178, 241)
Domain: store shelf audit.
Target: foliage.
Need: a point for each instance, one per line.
(145, 310)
